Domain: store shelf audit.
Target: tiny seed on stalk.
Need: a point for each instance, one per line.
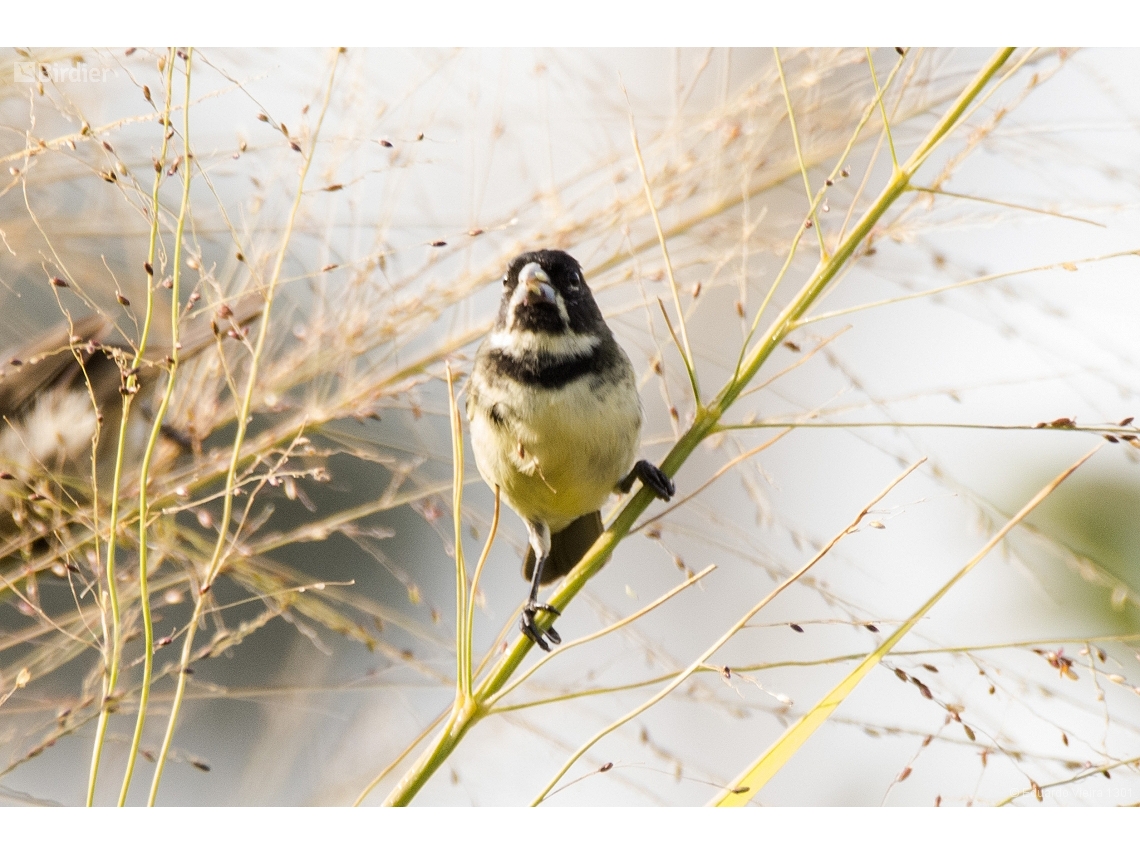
(332, 188)
(904, 774)
(696, 290)
(606, 767)
(796, 627)
(293, 145)
(107, 146)
(870, 627)
(385, 143)
(1125, 422)
(147, 267)
(146, 93)
(261, 117)
(182, 55)
(900, 51)
(123, 301)
(239, 256)
(474, 232)
(420, 137)
(161, 63)
(739, 306)
(969, 732)
(1065, 737)
(58, 283)
(129, 51)
(224, 311)
(439, 243)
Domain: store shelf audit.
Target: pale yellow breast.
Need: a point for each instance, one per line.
(564, 450)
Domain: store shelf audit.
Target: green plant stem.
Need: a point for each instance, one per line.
(705, 423)
(156, 427)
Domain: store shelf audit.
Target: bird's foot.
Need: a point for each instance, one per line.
(652, 477)
(533, 631)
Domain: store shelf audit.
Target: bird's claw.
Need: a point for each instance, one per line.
(533, 631)
(652, 477)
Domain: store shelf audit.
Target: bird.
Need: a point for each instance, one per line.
(555, 418)
(61, 391)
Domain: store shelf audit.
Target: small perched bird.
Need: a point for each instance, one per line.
(555, 418)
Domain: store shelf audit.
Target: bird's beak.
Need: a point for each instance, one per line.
(537, 284)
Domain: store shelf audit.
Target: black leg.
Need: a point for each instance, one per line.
(540, 543)
(652, 477)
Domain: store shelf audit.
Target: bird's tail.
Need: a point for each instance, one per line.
(566, 548)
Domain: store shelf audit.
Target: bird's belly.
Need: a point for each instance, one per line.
(560, 453)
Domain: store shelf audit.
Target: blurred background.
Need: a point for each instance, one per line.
(326, 645)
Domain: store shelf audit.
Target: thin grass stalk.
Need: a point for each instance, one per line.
(704, 424)
(883, 110)
(160, 415)
(800, 155)
(112, 653)
(749, 782)
(687, 351)
(215, 565)
(977, 280)
(462, 638)
(475, 584)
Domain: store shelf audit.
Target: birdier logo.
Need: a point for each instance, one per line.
(59, 72)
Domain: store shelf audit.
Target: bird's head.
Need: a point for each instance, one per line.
(547, 305)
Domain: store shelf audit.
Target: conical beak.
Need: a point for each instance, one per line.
(537, 284)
